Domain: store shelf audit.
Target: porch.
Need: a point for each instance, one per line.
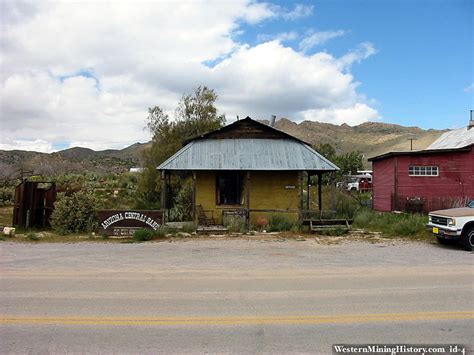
(255, 196)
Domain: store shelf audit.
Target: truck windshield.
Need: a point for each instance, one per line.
(471, 204)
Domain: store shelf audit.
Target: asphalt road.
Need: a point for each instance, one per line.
(232, 296)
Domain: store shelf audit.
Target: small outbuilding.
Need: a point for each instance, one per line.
(248, 169)
(441, 176)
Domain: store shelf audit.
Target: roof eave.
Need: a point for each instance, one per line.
(420, 152)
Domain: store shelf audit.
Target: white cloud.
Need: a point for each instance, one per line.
(298, 12)
(319, 38)
(257, 12)
(354, 115)
(151, 54)
(363, 51)
(281, 37)
(469, 88)
(37, 145)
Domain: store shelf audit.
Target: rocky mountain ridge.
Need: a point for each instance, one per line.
(370, 138)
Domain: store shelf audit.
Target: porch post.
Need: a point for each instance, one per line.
(163, 195)
(300, 196)
(247, 200)
(333, 190)
(194, 197)
(308, 197)
(168, 193)
(320, 198)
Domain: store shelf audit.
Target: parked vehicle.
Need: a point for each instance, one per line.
(456, 224)
(360, 183)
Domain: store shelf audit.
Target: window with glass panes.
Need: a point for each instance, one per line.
(423, 171)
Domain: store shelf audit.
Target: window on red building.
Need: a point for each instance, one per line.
(423, 171)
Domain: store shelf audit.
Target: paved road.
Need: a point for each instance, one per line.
(232, 296)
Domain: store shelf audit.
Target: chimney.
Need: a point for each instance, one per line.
(272, 120)
(471, 120)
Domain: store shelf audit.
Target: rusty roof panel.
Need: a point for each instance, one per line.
(247, 154)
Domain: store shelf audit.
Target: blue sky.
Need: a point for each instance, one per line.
(85, 73)
(422, 74)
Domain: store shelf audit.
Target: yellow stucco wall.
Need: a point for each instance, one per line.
(268, 191)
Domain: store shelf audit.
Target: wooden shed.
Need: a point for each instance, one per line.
(441, 176)
(249, 169)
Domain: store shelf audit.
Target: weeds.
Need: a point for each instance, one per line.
(391, 224)
(235, 224)
(32, 237)
(281, 223)
(143, 235)
(188, 228)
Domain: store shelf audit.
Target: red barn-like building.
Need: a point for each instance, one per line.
(442, 176)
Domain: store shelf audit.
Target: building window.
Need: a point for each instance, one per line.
(423, 171)
(229, 188)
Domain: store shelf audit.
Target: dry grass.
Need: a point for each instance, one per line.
(6, 216)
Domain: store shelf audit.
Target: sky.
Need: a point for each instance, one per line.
(84, 73)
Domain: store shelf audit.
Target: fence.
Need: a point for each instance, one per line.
(424, 205)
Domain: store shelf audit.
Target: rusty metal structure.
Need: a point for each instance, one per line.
(34, 204)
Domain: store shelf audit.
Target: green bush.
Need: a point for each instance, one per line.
(188, 227)
(347, 205)
(7, 194)
(410, 225)
(391, 224)
(280, 223)
(183, 203)
(235, 224)
(32, 236)
(143, 235)
(75, 214)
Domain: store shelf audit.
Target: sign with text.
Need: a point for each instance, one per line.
(124, 223)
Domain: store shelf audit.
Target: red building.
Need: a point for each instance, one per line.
(442, 176)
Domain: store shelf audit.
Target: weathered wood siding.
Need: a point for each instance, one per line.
(383, 184)
(455, 180)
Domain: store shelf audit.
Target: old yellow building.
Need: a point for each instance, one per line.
(247, 169)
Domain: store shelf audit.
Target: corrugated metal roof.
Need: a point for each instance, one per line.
(247, 154)
(457, 138)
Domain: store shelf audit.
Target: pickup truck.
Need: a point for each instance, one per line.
(455, 224)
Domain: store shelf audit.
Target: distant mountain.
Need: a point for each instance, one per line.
(72, 160)
(370, 138)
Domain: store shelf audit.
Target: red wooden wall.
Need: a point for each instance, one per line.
(454, 183)
(383, 184)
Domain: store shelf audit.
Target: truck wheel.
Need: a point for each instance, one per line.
(467, 239)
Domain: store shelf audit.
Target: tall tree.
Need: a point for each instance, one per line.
(348, 163)
(195, 115)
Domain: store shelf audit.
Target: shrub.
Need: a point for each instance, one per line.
(347, 204)
(188, 228)
(280, 223)
(183, 203)
(391, 224)
(235, 224)
(32, 236)
(7, 194)
(143, 235)
(410, 225)
(75, 213)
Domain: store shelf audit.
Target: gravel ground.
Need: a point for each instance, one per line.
(211, 253)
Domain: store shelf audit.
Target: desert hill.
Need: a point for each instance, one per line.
(370, 138)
